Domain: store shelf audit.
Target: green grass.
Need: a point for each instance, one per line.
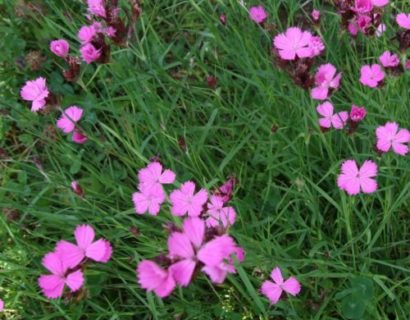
(152, 95)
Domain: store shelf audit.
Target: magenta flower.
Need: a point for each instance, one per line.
(371, 75)
(273, 290)
(363, 22)
(75, 186)
(69, 118)
(389, 60)
(352, 28)
(380, 3)
(79, 137)
(35, 91)
(89, 53)
(1, 305)
(217, 254)
(218, 215)
(294, 43)
(357, 113)
(152, 277)
(149, 199)
(97, 8)
(52, 285)
(316, 46)
(403, 20)
(328, 120)
(390, 136)
(60, 47)
(184, 201)
(325, 79)
(154, 177)
(363, 6)
(86, 247)
(86, 34)
(258, 14)
(315, 15)
(354, 180)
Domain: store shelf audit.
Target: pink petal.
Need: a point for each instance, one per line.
(96, 250)
(53, 263)
(180, 246)
(166, 287)
(325, 109)
(75, 280)
(140, 202)
(403, 136)
(319, 93)
(215, 251)
(349, 167)
(400, 149)
(70, 254)
(194, 229)
(339, 119)
(216, 274)
(65, 125)
(352, 186)
(37, 105)
(291, 286)
(52, 286)
(84, 235)
(272, 291)
(197, 203)
(182, 271)
(325, 122)
(167, 177)
(150, 275)
(276, 276)
(108, 252)
(368, 169)
(368, 185)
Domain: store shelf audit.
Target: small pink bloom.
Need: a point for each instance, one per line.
(218, 215)
(273, 290)
(217, 254)
(152, 277)
(316, 46)
(337, 120)
(52, 285)
(353, 180)
(390, 136)
(97, 8)
(153, 176)
(389, 60)
(89, 53)
(403, 20)
(1, 305)
(87, 33)
(110, 32)
(363, 6)
(258, 14)
(222, 19)
(60, 47)
(69, 118)
(380, 3)
(149, 199)
(352, 28)
(315, 15)
(380, 30)
(371, 75)
(294, 43)
(86, 247)
(363, 22)
(77, 188)
(79, 137)
(325, 79)
(35, 91)
(226, 189)
(185, 201)
(357, 113)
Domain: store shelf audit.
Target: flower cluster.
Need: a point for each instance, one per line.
(363, 16)
(68, 261)
(201, 244)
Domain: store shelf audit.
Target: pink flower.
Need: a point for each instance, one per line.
(35, 91)
(87, 33)
(389, 60)
(337, 120)
(183, 246)
(1, 305)
(363, 6)
(184, 201)
(315, 15)
(380, 3)
(352, 28)
(86, 247)
(89, 53)
(389, 136)
(79, 137)
(258, 14)
(149, 199)
(273, 290)
(363, 22)
(371, 75)
(353, 180)
(218, 215)
(226, 189)
(96, 7)
(294, 43)
(403, 20)
(68, 119)
(110, 32)
(380, 30)
(153, 177)
(60, 47)
(357, 113)
(152, 277)
(325, 78)
(217, 254)
(52, 285)
(77, 188)
(222, 19)
(316, 46)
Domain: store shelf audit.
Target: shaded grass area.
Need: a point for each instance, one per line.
(153, 100)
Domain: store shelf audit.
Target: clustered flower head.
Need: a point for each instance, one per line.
(201, 244)
(363, 16)
(68, 261)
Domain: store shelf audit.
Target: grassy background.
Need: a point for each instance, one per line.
(151, 97)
